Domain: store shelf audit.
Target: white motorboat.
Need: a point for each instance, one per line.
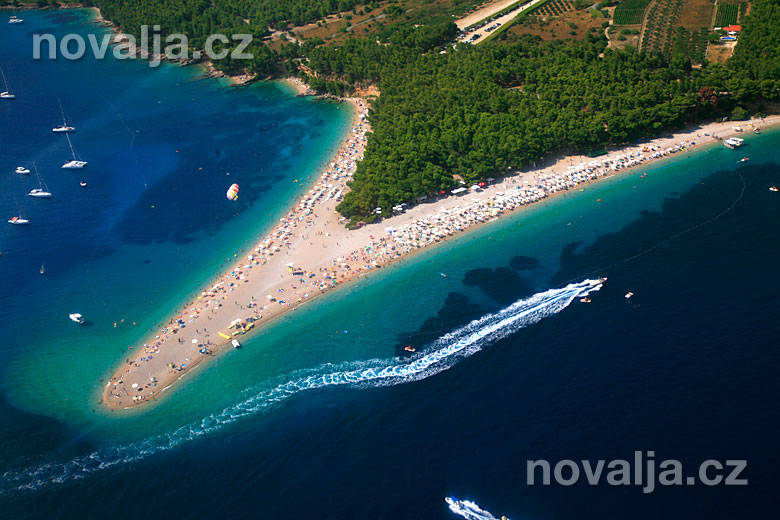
(21, 170)
(235, 343)
(6, 94)
(77, 318)
(733, 142)
(18, 221)
(13, 20)
(75, 163)
(64, 127)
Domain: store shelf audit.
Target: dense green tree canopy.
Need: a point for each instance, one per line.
(474, 112)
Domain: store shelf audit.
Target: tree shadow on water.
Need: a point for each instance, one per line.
(456, 312)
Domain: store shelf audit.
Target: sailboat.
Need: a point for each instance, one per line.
(18, 220)
(64, 127)
(75, 163)
(6, 94)
(39, 192)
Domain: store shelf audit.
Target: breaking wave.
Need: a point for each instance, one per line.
(440, 355)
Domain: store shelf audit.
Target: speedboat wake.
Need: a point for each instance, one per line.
(469, 510)
(440, 355)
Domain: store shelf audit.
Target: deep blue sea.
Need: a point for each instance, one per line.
(320, 416)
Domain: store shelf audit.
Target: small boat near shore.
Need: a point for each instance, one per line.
(733, 142)
(14, 20)
(77, 318)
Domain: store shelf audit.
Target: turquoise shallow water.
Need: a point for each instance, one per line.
(319, 416)
(153, 224)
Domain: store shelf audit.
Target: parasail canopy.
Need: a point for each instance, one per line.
(232, 192)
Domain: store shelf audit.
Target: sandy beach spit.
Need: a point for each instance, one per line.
(310, 251)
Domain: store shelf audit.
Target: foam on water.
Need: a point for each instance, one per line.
(469, 510)
(436, 357)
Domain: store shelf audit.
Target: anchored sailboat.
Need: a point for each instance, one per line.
(18, 220)
(39, 192)
(64, 127)
(75, 163)
(6, 94)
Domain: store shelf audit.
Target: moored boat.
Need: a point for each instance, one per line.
(39, 193)
(6, 94)
(76, 318)
(18, 221)
(75, 163)
(733, 142)
(64, 127)
(21, 170)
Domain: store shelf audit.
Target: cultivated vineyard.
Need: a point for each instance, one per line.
(630, 12)
(728, 14)
(554, 8)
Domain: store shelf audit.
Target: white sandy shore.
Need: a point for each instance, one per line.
(310, 251)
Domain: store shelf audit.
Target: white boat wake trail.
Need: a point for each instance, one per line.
(436, 357)
(469, 510)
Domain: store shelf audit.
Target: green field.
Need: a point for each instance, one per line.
(630, 12)
(728, 14)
